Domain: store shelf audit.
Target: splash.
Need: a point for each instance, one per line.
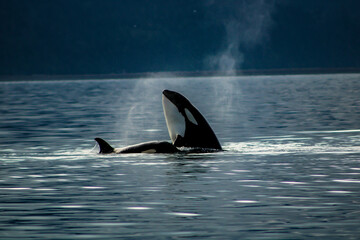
(247, 24)
(144, 103)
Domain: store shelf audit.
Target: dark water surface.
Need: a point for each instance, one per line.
(291, 169)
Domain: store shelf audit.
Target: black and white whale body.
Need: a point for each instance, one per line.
(186, 126)
(188, 130)
(146, 147)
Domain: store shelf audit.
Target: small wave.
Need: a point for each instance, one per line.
(333, 131)
(279, 147)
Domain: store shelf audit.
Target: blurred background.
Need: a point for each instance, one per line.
(67, 37)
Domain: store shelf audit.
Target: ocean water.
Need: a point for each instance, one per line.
(290, 169)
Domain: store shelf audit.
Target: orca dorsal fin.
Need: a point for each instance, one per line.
(104, 146)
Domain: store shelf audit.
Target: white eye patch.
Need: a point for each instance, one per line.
(190, 116)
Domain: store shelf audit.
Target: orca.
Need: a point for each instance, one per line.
(188, 129)
(186, 125)
(146, 147)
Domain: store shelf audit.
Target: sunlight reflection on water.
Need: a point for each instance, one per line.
(290, 169)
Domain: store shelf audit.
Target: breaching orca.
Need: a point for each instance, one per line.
(188, 130)
(186, 126)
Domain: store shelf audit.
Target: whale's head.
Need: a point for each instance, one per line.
(186, 126)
